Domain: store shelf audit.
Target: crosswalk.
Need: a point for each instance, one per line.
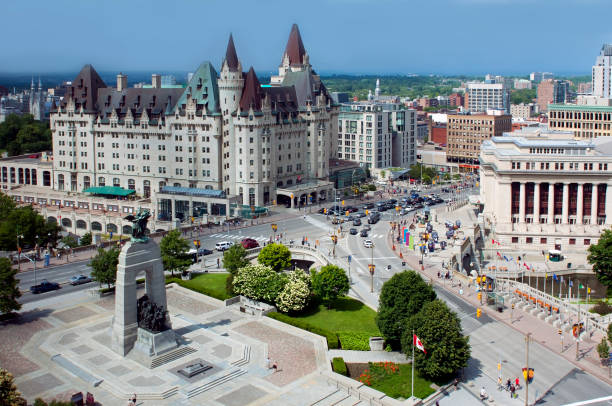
(220, 236)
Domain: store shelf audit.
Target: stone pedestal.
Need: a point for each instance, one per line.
(136, 257)
(153, 344)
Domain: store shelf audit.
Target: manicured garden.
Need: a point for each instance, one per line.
(395, 380)
(211, 284)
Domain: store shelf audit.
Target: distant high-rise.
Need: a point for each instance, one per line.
(552, 91)
(377, 90)
(487, 96)
(537, 77)
(601, 73)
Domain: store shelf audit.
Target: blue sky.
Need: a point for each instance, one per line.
(350, 36)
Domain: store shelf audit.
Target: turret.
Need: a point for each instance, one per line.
(230, 80)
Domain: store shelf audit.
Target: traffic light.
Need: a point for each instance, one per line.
(324, 211)
(560, 331)
(513, 306)
(478, 313)
(479, 295)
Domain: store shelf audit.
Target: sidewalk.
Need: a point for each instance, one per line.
(541, 331)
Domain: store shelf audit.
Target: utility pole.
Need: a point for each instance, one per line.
(527, 339)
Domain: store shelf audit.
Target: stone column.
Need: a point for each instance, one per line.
(608, 203)
(579, 203)
(551, 203)
(594, 204)
(522, 203)
(565, 204)
(536, 203)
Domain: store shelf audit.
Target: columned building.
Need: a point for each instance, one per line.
(547, 191)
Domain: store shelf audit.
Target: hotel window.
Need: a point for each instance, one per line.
(529, 240)
(543, 240)
(515, 240)
(587, 241)
(572, 241)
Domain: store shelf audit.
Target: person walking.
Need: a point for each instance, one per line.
(512, 390)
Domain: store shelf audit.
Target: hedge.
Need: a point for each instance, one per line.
(350, 340)
(332, 338)
(339, 366)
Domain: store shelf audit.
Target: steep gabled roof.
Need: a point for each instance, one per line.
(307, 86)
(84, 88)
(231, 58)
(295, 47)
(251, 94)
(135, 101)
(203, 89)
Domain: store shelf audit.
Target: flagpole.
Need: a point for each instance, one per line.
(412, 387)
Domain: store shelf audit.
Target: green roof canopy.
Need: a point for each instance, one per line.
(109, 191)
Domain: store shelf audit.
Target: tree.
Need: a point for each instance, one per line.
(439, 329)
(259, 282)
(417, 169)
(610, 332)
(9, 289)
(70, 241)
(382, 174)
(86, 239)
(603, 349)
(401, 297)
(525, 96)
(234, 258)
(277, 256)
(26, 223)
(600, 256)
(9, 395)
(104, 266)
(329, 283)
(174, 250)
(294, 296)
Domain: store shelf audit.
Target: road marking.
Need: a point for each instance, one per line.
(369, 258)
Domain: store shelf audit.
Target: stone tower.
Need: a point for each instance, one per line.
(36, 101)
(230, 85)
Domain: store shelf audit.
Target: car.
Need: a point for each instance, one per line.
(359, 215)
(223, 245)
(368, 206)
(249, 243)
(382, 208)
(79, 279)
(363, 233)
(353, 231)
(204, 251)
(44, 286)
(374, 218)
(367, 227)
(368, 244)
(337, 220)
(352, 209)
(357, 222)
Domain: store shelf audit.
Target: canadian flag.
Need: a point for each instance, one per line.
(417, 343)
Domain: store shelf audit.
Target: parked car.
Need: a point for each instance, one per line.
(79, 279)
(44, 286)
(352, 209)
(223, 245)
(363, 233)
(249, 243)
(353, 231)
(368, 244)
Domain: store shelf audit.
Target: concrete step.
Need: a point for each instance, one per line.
(331, 398)
(349, 401)
(245, 358)
(171, 356)
(215, 381)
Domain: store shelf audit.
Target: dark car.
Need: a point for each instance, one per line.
(249, 243)
(367, 227)
(363, 233)
(353, 231)
(204, 251)
(44, 286)
(352, 209)
(382, 208)
(368, 206)
(357, 222)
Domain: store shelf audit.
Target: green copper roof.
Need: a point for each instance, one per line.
(109, 191)
(203, 88)
(578, 107)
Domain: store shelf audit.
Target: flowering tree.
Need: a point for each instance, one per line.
(295, 294)
(259, 282)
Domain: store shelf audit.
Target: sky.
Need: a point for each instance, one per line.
(341, 36)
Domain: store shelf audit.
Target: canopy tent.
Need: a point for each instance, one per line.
(109, 191)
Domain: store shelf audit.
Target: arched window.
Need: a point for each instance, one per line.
(101, 181)
(46, 178)
(81, 224)
(60, 182)
(127, 230)
(289, 182)
(146, 188)
(116, 182)
(66, 222)
(251, 196)
(279, 184)
(86, 182)
(27, 176)
(161, 185)
(34, 180)
(95, 226)
(131, 184)
(20, 171)
(52, 219)
(111, 228)
(176, 184)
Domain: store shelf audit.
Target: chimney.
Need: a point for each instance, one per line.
(156, 81)
(121, 82)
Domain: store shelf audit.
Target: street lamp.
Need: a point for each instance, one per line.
(371, 268)
(19, 236)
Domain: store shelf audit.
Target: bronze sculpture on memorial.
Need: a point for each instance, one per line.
(139, 225)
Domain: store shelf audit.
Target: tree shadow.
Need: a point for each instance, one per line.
(26, 317)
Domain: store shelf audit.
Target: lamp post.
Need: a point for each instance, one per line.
(19, 236)
(35, 257)
(371, 268)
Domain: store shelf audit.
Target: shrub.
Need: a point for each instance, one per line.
(602, 308)
(259, 282)
(295, 294)
(350, 340)
(339, 366)
(330, 283)
(332, 338)
(276, 256)
(603, 349)
(229, 285)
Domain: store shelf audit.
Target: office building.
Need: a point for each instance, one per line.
(481, 97)
(601, 79)
(537, 77)
(522, 84)
(523, 111)
(547, 190)
(552, 91)
(466, 132)
(584, 120)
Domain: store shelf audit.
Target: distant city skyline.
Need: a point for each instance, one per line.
(386, 37)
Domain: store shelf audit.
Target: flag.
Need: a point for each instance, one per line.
(571, 283)
(562, 280)
(555, 277)
(545, 275)
(506, 258)
(580, 286)
(417, 343)
(525, 265)
(498, 254)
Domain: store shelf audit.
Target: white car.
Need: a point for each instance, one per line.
(368, 244)
(223, 245)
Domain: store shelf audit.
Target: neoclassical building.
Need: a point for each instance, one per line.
(547, 190)
(223, 141)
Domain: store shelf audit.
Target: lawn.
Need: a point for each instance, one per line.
(394, 380)
(346, 314)
(211, 284)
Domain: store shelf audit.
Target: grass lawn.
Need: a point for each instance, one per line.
(395, 381)
(346, 314)
(211, 284)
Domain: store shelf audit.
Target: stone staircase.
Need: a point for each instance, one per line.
(337, 398)
(213, 381)
(171, 356)
(245, 358)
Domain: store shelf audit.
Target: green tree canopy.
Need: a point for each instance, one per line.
(415, 172)
(294, 296)
(23, 135)
(104, 266)
(70, 241)
(600, 256)
(329, 283)
(86, 239)
(439, 329)
(9, 395)
(174, 252)
(401, 297)
(24, 222)
(603, 349)
(9, 288)
(525, 96)
(277, 256)
(259, 282)
(234, 258)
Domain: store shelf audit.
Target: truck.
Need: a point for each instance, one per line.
(44, 286)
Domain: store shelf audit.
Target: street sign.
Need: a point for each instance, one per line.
(349, 259)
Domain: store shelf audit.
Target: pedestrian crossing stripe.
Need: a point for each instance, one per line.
(238, 237)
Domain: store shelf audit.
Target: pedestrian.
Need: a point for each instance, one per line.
(275, 367)
(268, 363)
(134, 399)
(218, 261)
(512, 390)
(456, 384)
(517, 382)
(508, 383)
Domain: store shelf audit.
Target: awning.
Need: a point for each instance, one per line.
(109, 191)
